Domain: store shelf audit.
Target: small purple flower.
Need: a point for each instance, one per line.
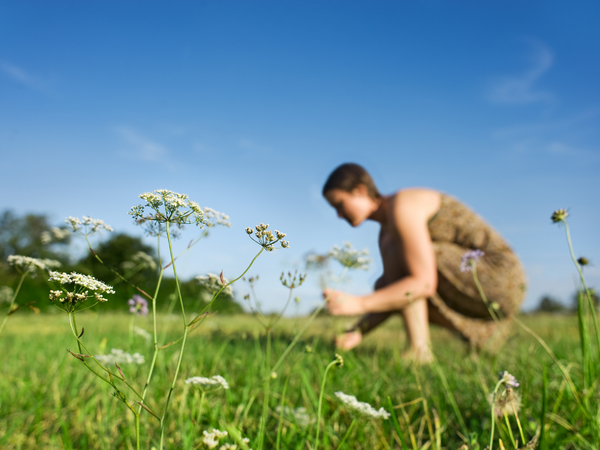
(508, 379)
(138, 305)
(469, 259)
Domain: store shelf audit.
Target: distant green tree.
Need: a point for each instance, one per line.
(25, 235)
(551, 305)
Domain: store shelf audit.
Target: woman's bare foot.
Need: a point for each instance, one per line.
(419, 355)
(349, 340)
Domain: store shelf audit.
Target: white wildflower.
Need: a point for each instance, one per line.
(266, 238)
(54, 235)
(144, 260)
(82, 285)
(214, 218)
(212, 283)
(6, 294)
(120, 357)
(211, 440)
(143, 333)
(350, 257)
(169, 207)
(26, 264)
(88, 224)
(360, 408)
(213, 383)
(298, 415)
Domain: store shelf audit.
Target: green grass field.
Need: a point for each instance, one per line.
(48, 399)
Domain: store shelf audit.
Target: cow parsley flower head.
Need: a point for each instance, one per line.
(292, 281)
(360, 408)
(164, 206)
(26, 264)
(298, 415)
(469, 259)
(214, 218)
(86, 225)
(120, 357)
(138, 305)
(81, 284)
(55, 235)
(213, 283)
(349, 257)
(208, 384)
(266, 238)
(6, 294)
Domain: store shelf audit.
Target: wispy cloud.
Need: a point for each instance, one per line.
(23, 77)
(521, 89)
(143, 148)
(572, 137)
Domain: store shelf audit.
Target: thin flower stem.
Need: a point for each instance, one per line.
(483, 296)
(200, 408)
(518, 422)
(140, 290)
(587, 291)
(180, 357)
(305, 326)
(512, 438)
(155, 343)
(329, 366)
(267, 392)
(347, 434)
(281, 406)
(14, 298)
(81, 345)
(492, 413)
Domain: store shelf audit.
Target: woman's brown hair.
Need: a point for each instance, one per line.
(348, 176)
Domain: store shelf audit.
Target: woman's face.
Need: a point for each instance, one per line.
(355, 207)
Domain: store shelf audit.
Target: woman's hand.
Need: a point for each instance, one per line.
(348, 340)
(342, 304)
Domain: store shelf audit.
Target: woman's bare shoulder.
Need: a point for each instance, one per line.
(416, 203)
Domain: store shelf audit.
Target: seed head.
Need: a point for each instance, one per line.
(559, 215)
(583, 261)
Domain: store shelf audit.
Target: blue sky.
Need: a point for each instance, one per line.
(248, 106)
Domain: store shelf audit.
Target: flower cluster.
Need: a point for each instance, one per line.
(213, 383)
(315, 261)
(469, 259)
(298, 415)
(88, 224)
(213, 283)
(139, 260)
(167, 207)
(214, 218)
(267, 238)
(6, 294)
(142, 333)
(82, 284)
(26, 264)
(120, 357)
(138, 305)
(360, 408)
(559, 215)
(292, 281)
(211, 440)
(350, 257)
(54, 235)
